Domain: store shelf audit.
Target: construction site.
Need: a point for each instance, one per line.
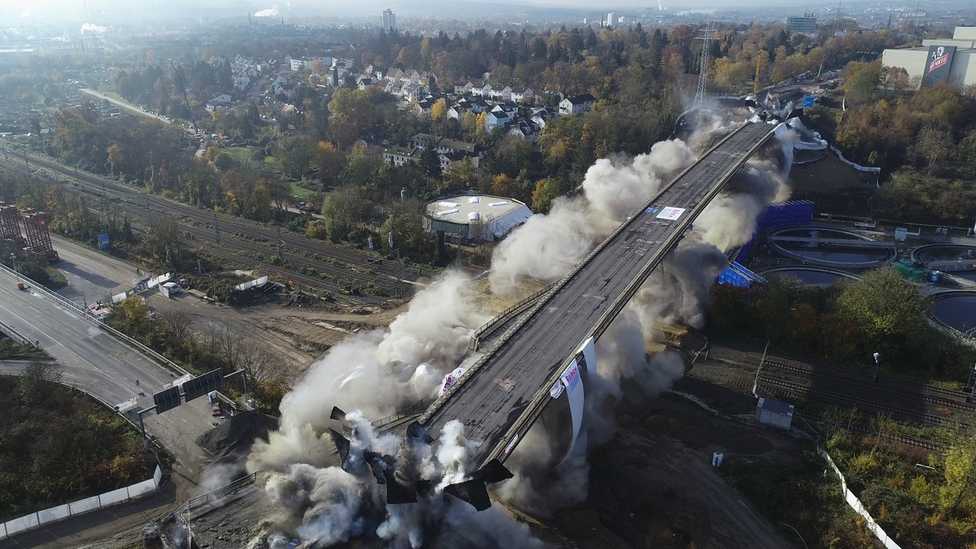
(25, 233)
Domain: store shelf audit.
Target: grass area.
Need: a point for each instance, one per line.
(799, 495)
(244, 156)
(11, 350)
(55, 279)
(833, 185)
(301, 193)
(60, 445)
(921, 499)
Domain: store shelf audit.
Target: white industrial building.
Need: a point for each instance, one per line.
(479, 218)
(960, 52)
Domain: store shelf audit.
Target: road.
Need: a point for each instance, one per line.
(501, 396)
(92, 275)
(127, 106)
(102, 366)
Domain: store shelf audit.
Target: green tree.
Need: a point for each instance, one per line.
(405, 222)
(344, 210)
(861, 81)
(545, 191)
(887, 310)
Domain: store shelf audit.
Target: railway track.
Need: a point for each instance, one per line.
(337, 269)
(782, 388)
(935, 396)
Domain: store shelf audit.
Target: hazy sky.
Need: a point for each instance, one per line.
(108, 11)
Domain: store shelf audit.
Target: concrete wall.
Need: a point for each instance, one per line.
(913, 61)
(949, 42)
(964, 69)
(965, 33)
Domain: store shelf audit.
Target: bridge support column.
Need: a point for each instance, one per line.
(571, 383)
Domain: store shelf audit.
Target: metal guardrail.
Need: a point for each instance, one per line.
(499, 320)
(125, 339)
(548, 293)
(535, 406)
(14, 334)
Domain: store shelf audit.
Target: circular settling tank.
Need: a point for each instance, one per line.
(950, 253)
(809, 276)
(956, 310)
(831, 247)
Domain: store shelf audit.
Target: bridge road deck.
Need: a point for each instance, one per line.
(502, 395)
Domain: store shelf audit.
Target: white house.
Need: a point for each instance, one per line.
(576, 104)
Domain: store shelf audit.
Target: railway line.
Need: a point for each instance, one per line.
(934, 396)
(792, 390)
(314, 264)
(796, 389)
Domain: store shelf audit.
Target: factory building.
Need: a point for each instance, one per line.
(475, 218)
(807, 24)
(945, 61)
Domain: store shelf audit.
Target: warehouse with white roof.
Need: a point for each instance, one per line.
(476, 218)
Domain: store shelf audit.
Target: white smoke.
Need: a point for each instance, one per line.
(385, 371)
(547, 247)
(268, 12)
(675, 293)
(377, 373)
(91, 28)
(328, 502)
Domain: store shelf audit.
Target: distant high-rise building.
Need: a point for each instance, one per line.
(610, 19)
(803, 25)
(389, 20)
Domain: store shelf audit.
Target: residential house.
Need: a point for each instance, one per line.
(219, 102)
(400, 156)
(576, 104)
(524, 129)
(526, 96)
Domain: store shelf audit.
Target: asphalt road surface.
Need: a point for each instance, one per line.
(92, 275)
(124, 105)
(504, 393)
(102, 366)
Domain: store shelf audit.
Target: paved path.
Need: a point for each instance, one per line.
(92, 275)
(103, 366)
(125, 105)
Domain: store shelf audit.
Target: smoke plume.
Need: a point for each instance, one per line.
(548, 246)
(385, 371)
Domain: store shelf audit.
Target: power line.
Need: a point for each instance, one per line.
(706, 38)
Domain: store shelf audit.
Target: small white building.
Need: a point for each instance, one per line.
(774, 412)
(480, 218)
(577, 104)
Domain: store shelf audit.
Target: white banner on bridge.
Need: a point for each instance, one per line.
(573, 382)
(670, 213)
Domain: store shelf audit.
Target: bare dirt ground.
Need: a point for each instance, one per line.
(296, 336)
(653, 484)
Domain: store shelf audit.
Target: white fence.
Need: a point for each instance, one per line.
(82, 506)
(858, 507)
(855, 165)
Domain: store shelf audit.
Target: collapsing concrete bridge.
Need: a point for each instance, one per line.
(544, 354)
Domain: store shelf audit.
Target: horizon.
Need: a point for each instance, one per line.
(109, 12)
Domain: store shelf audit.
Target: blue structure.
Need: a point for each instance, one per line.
(783, 214)
(104, 242)
(739, 276)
